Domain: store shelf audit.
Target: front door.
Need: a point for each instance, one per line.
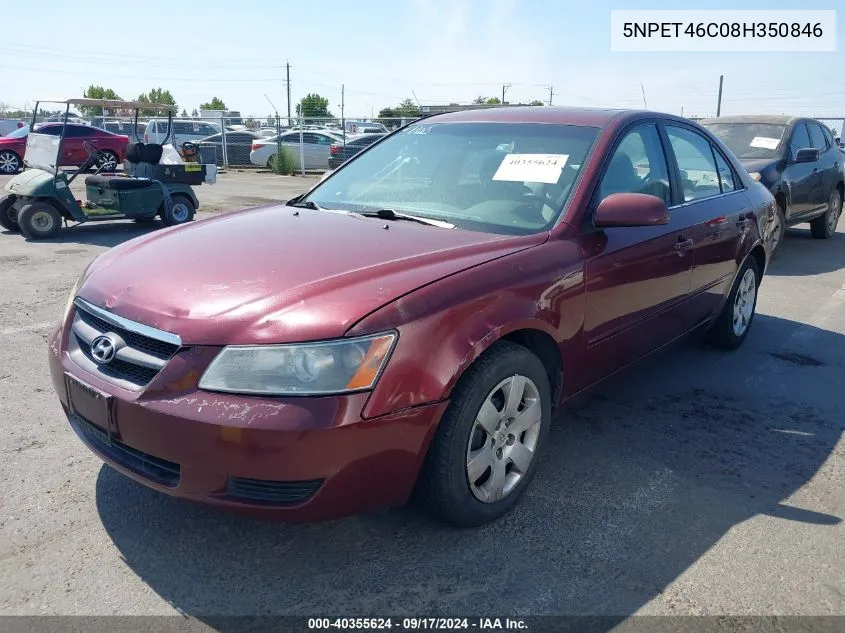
(800, 177)
(636, 278)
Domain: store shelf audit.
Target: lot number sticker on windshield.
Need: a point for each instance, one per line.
(543, 168)
(765, 142)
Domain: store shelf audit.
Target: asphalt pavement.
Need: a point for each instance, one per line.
(700, 482)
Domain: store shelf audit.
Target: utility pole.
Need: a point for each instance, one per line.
(342, 104)
(719, 103)
(287, 81)
(505, 88)
(551, 94)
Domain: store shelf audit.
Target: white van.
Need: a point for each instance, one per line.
(183, 130)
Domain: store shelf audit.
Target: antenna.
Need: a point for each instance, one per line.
(645, 105)
(417, 100)
(275, 109)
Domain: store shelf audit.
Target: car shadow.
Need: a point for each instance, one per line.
(102, 233)
(800, 254)
(640, 479)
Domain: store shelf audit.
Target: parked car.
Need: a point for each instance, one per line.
(269, 132)
(238, 146)
(8, 126)
(125, 128)
(315, 148)
(113, 146)
(797, 159)
(364, 127)
(183, 130)
(415, 319)
(340, 153)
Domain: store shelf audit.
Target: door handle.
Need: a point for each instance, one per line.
(683, 244)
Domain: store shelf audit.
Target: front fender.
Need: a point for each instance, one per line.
(444, 327)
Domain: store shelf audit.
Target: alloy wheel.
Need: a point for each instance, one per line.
(834, 209)
(744, 302)
(503, 439)
(9, 163)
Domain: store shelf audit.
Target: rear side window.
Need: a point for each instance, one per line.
(638, 166)
(726, 175)
(699, 177)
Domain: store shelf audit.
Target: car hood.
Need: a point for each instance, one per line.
(279, 274)
(757, 164)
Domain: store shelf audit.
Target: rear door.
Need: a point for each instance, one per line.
(718, 215)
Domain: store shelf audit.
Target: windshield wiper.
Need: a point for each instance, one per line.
(390, 214)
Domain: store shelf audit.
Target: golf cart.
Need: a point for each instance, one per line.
(157, 181)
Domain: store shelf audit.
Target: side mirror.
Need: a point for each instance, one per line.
(631, 209)
(807, 155)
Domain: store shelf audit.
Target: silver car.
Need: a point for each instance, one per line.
(315, 148)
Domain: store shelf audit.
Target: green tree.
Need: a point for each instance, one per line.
(313, 106)
(215, 104)
(184, 114)
(493, 101)
(407, 108)
(97, 92)
(479, 100)
(537, 102)
(156, 95)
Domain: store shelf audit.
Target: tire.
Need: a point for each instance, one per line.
(108, 158)
(723, 334)
(8, 215)
(181, 211)
(778, 228)
(824, 228)
(10, 163)
(39, 220)
(447, 487)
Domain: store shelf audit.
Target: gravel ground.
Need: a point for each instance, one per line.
(699, 483)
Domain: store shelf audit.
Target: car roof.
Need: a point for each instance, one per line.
(771, 119)
(594, 117)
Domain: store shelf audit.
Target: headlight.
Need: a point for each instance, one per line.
(75, 289)
(330, 367)
(755, 175)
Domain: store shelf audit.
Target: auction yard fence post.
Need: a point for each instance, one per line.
(301, 146)
(223, 139)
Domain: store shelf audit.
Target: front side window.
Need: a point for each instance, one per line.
(817, 137)
(511, 178)
(638, 165)
(800, 138)
(726, 175)
(694, 155)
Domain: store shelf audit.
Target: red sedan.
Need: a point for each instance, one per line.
(13, 146)
(415, 319)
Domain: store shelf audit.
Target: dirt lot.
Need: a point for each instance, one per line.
(700, 483)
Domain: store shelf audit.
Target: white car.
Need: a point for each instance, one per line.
(315, 148)
(183, 130)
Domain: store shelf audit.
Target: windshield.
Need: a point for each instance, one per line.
(19, 133)
(511, 178)
(750, 140)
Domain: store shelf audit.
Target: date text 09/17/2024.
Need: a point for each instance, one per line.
(417, 624)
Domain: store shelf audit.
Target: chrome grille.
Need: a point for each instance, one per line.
(140, 352)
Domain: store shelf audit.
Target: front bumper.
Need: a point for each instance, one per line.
(292, 459)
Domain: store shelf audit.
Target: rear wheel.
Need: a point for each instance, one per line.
(486, 448)
(733, 323)
(778, 228)
(39, 220)
(107, 161)
(823, 228)
(181, 211)
(8, 214)
(10, 163)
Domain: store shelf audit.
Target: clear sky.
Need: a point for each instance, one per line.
(439, 51)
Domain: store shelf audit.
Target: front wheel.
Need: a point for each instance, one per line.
(10, 163)
(734, 321)
(181, 211)
(778, 228)
(9, 215)
(824, 228)
(486, 448)
(39, 220)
